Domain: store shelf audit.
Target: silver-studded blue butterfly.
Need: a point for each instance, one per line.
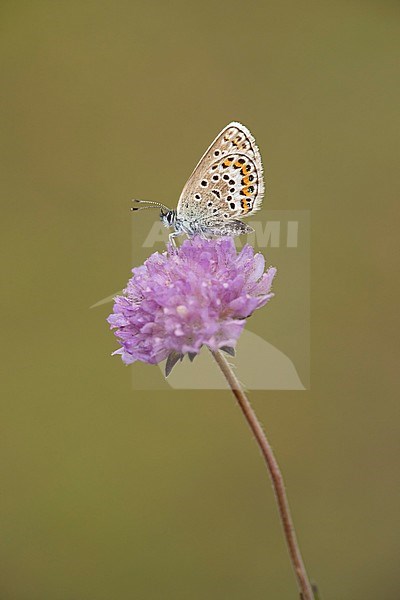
(226, 185)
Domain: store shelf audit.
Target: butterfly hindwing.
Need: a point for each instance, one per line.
(228, 181)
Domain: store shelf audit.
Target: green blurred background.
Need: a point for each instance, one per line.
(108, 493)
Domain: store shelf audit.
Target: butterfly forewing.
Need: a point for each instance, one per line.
(227, 183)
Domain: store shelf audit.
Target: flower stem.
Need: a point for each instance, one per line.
(303, 582)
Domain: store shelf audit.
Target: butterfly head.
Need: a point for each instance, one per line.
(168, 217)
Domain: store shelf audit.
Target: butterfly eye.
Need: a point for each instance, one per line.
(216, 153)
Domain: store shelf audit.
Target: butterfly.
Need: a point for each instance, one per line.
(226, 185)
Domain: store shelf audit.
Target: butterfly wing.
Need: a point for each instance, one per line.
(227, 183)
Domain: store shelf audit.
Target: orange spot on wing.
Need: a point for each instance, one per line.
(246, 191)
(238, 164)
(246, 205)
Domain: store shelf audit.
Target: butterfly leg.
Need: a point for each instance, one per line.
(172, 237)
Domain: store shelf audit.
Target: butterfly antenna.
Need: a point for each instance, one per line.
(148, 204)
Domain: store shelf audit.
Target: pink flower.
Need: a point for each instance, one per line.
(197, 295)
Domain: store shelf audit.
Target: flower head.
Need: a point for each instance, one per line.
(178, 301)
